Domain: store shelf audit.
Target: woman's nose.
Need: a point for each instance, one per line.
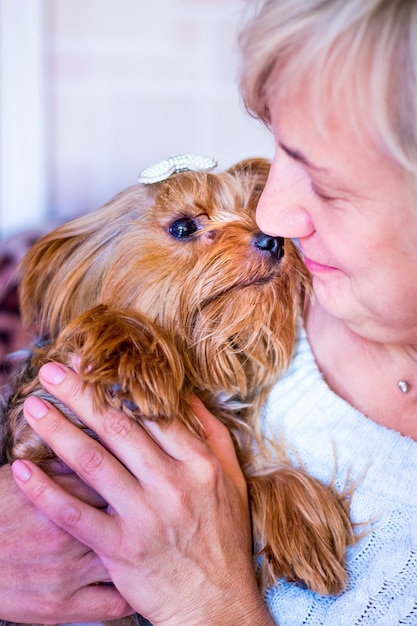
(282, 208)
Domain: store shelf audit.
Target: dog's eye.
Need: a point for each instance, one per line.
(183, 227)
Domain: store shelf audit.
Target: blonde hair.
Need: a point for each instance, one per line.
(368, 48)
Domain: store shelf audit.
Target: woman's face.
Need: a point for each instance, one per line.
(348, 206)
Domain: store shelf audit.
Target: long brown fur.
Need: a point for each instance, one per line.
(154, 319)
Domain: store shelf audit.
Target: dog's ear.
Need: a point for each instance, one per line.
(301, 528)
(62, 274)
(254, 168)
(252, 174)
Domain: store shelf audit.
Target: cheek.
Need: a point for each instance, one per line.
(378, 277)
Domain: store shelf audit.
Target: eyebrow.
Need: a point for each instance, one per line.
(299, 156)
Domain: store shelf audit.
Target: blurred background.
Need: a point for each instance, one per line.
(93, 91)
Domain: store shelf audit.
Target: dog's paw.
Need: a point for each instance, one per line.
(130, 363)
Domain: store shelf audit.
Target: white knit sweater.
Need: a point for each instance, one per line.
(382, 587)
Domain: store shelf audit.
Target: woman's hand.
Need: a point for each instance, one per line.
(175, 538)
(47, 576)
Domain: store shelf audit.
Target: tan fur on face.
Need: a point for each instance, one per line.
(155, 319)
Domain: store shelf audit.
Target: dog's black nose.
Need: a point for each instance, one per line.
(273, 245)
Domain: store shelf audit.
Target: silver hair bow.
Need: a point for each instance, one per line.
(174, 165)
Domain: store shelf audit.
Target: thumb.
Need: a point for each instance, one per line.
(220, 443)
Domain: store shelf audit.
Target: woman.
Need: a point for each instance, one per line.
(336, 82)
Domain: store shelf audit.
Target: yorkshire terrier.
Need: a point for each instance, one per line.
(171, 290)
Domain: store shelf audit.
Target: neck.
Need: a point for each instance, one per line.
(366, 373)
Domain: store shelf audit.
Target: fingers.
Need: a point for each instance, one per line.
(45, 573)
(88, 458)
(96, 604)
(64, 509)
(111, 426)
(73, 484)
(149, 453)
(119, 433)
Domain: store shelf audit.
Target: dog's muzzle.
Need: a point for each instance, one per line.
(273, 245)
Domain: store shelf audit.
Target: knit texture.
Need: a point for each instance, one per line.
(382, 567)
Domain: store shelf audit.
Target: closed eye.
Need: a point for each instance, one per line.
(322, 195)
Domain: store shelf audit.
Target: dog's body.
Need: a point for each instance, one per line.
(171, 290)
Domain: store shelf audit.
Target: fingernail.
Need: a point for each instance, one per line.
(21, 470)
(36, 407)
(53, 373)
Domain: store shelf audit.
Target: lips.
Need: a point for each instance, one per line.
(315, 267)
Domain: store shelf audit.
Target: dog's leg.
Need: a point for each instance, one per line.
(130, 363)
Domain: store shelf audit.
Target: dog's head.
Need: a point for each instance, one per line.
(187, 253)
